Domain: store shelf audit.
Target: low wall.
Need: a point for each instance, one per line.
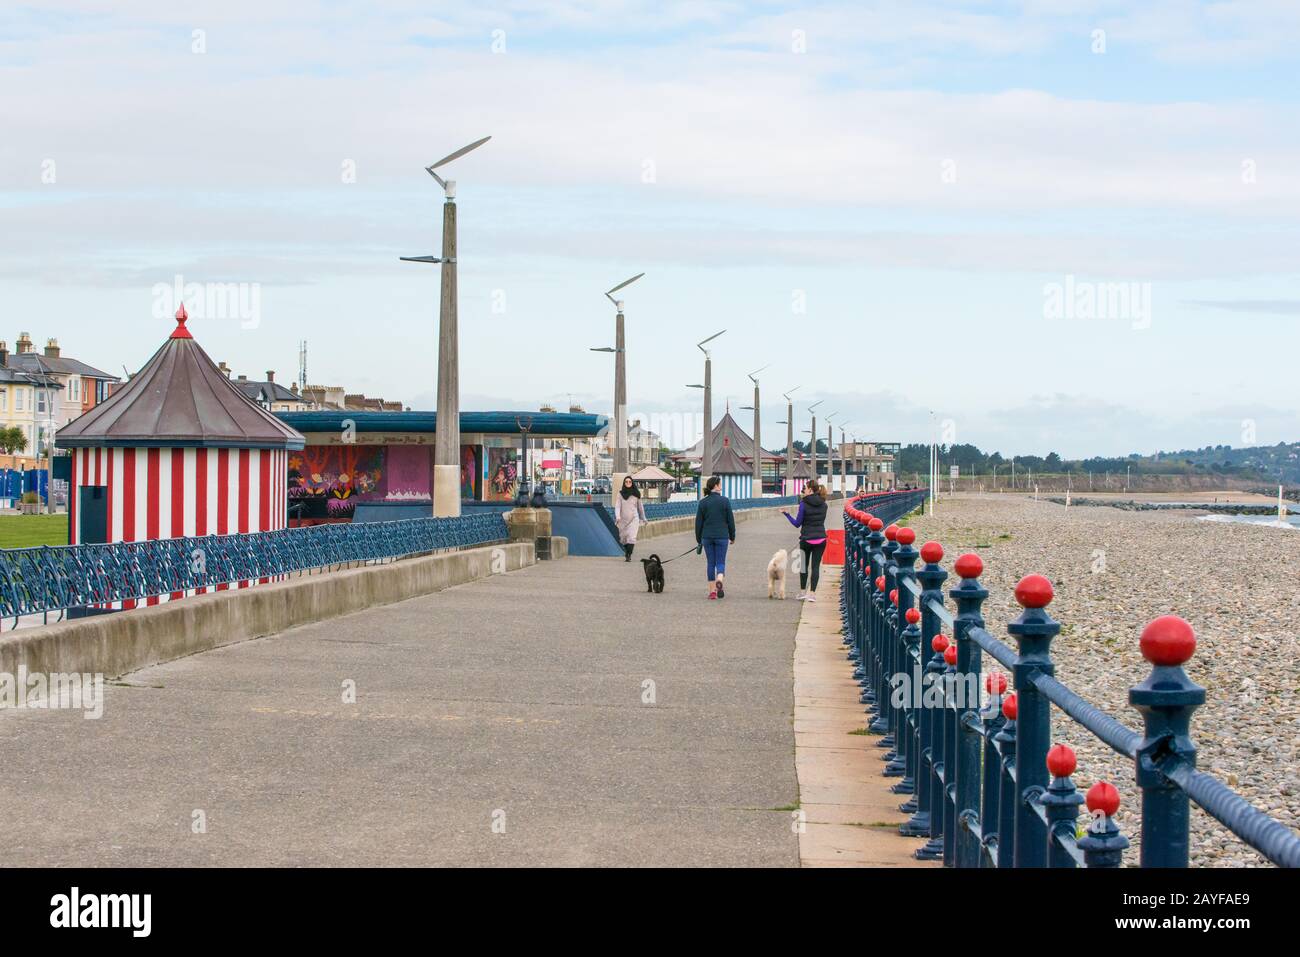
(686, 523)
(117, 643)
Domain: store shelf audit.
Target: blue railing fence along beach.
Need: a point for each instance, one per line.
(985, 785)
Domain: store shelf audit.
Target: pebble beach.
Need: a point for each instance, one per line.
(1113, 571)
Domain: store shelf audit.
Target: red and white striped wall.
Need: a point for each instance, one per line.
(156, 493)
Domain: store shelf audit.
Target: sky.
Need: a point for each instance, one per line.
(1033, 226)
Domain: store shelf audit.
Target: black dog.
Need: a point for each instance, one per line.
(654, 574)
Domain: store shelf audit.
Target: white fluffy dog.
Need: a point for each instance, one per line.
(776, 574)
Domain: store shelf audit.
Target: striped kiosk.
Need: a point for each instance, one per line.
(177, 451)
(737, 477)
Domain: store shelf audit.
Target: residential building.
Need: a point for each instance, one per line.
(42, 392)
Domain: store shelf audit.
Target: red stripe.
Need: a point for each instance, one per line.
(223, 497)
(201, 495)
(264, 502)
(128, 504)
(178, 500)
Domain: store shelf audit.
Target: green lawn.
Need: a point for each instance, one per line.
(25, 531)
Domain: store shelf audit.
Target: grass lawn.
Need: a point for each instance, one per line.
(25, 531)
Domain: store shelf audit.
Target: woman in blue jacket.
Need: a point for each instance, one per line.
(715, 529)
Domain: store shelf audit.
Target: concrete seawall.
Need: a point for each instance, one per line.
(118, 643)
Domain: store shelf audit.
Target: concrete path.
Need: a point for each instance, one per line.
(554, 716)
(851, 816)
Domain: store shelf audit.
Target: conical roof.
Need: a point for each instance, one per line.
(179, 398)
(727, 462)
(728, 432)
(802, 470)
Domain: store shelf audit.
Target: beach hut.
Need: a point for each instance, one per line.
(178, 450)
(737, 477)
(794, 481)
(653, 482)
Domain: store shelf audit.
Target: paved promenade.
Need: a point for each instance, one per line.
(505, 722)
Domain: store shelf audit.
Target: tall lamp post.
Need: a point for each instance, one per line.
(706, 449)
(758, 456)
(446, 440)
(830, 449)
(844, 461)
(620, 387)
(812, 433)
(789, 435)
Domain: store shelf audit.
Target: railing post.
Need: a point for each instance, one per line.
(996, 685)
(963, 761)
(931, 577)
(948, 722)
(885, 637)
(1033, 631)
(930, 797)
(1006, 742)
(1104, 845)
(909, 663)
(1061, 800)
(870, 603)
(1166, 700)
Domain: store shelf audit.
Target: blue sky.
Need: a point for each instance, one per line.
(915, 174)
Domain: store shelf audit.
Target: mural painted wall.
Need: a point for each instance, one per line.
(408, 477)
(328, 480)
(502, 474)
(470, 471)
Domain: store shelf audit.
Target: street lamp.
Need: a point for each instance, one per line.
(830, 449)
(844, 461)
(789, 436)
(706, 452)
(620, 386)
(758, 460)
(446, 440)
(813, 432)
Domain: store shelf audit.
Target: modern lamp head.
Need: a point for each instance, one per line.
(786, 395)
(754, 374)
(700, 345)
(815, 404)
(618, 303)
(449, 186)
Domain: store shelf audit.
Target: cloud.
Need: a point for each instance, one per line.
(1274, 307)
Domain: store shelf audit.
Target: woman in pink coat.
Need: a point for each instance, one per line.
(629, 513)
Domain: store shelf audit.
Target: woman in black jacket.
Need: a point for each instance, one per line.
(715, 529)
(811, 522)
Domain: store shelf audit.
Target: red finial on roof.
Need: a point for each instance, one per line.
(180, 332)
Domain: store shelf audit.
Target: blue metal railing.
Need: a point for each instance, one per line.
(654, 511)
(987, 787)
(39, 581)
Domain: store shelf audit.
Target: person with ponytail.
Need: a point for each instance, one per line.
(811, 522)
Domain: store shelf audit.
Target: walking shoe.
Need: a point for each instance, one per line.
(712, 596)
(811, 597)
(721, 594)
(801, 597)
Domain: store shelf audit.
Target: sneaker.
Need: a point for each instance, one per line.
(811, 597)
(801, 597)
(721, 593)
(712, 596)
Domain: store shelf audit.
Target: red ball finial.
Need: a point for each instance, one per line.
(891, 532)
(880, 583)
(950, 654)
(1103, 797)
(1060, 761)
(931, 552)
(939, 642)
(893, 596)
(875, 524)
(906, 536)
(180, 332)
(995, 682)
(1168, 641)
(912, 615)
(1009, 707)
(1034, 591)
(969, 566)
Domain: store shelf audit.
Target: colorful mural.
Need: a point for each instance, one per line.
(470, 457)
(327, 481)
(409, 478)
(502, 474)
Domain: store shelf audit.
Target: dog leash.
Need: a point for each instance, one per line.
(675, 557)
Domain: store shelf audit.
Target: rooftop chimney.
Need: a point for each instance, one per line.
(270, 375)
(51, 348)
(242, 378)
(4, 353)
(224, 368)
(24, 343)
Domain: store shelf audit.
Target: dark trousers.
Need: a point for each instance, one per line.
(812, 563)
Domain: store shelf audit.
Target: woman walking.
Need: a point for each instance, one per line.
(629, 513)
(715, 529)
(811, 522)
